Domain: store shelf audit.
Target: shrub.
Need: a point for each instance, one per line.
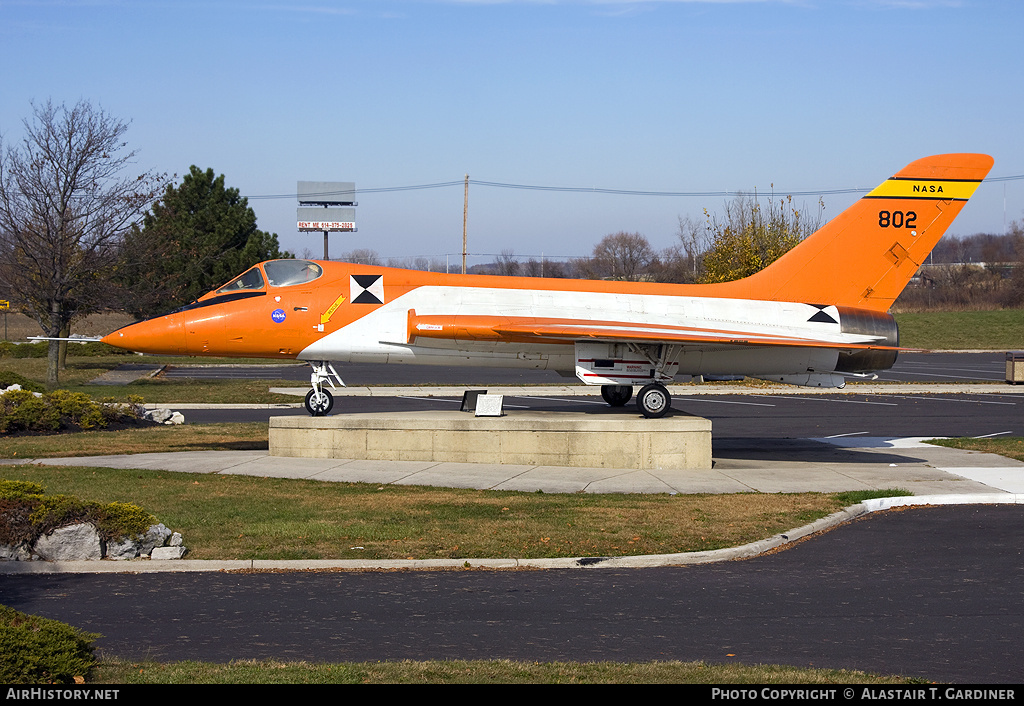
(9, 377)
(26, 513)
(19, 489)
(24, 350)
(21, 410)
(15, 522)
(56, 511)
(120, 520)
(24, 411)
(42, 651)
(40, 349)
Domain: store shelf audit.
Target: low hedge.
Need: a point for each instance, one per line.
(40, 349)
(49, 412)
(38, 650)
(9, 377)
(26, 513)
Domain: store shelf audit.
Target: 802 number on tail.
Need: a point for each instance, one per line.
(897, 219)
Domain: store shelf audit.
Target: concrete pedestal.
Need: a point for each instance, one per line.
(614, 440)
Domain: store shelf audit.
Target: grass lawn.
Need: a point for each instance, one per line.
(1009, 446)
(245, 517)
(963, 330)
(477, 672)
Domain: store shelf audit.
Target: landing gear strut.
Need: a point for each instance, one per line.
(319, 400)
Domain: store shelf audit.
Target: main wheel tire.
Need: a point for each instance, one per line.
(654, 401)
(616, 395)
(321, 405)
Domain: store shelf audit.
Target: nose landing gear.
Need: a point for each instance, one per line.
(319, 401)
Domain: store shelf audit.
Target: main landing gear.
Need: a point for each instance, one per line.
(653, 401)
(616, 395)
(319, 400)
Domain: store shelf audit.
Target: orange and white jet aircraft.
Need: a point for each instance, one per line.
(813, 317)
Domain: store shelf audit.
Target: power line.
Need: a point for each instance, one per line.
(596, 190)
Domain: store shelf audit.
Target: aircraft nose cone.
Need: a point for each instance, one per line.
(163, 335)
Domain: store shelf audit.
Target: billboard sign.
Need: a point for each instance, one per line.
(326, 219)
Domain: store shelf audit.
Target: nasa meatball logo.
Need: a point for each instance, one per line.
(278, 315)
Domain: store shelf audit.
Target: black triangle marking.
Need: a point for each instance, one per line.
(822, 318)
(366, 281)
(367, 298)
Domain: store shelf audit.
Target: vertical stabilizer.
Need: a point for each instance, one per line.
(864, 257)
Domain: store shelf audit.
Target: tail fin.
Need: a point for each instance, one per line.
(865, 256)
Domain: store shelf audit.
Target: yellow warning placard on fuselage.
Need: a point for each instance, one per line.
(326, 316)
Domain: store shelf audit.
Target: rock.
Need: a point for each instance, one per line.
(165, 416)
(15, 386)
(156, 536)
(123, 549)
(18, 552)
(82, 543)
(162, 553)
(71, 543)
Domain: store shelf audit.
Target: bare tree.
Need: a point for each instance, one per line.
(362, 256)
(623, 256)
(507, 264)
(65, 204)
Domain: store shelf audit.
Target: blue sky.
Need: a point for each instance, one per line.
(668, 96)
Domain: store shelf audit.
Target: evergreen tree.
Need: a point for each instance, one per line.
(197, 237)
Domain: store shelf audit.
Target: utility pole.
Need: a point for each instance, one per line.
(465, 213)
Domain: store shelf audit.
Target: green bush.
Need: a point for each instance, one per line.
(23, 350)
(26, 513)
(42, 651)
(23, 411)
(19, 489)
(41, 349)
(9, 377)
(56, 511)
(120, 520)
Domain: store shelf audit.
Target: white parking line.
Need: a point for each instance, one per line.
(459, 402)
(936, 375)
(556, 399)
(954, 399)
(704, 399)
(829, 399)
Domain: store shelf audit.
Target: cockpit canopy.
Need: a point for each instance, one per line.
(280, 273)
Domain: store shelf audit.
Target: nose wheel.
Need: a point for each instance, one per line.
(654, 400)
(319, 404)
